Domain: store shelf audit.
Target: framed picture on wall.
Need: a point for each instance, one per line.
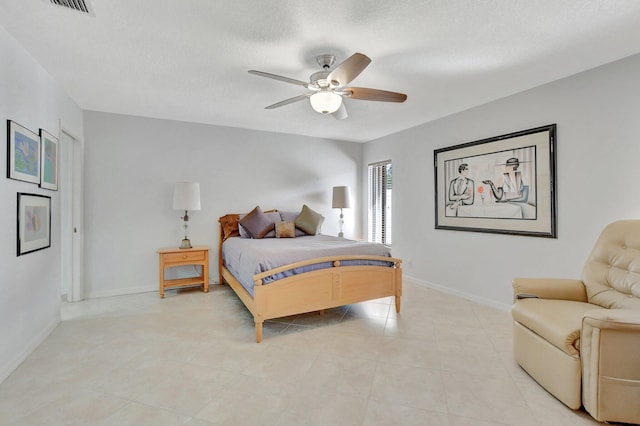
(23, 153)
(48, 161)
(504, 184)
(34, 222)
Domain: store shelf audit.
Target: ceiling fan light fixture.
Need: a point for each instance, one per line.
(325, 102)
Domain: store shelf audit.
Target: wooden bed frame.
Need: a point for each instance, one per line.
(316, 290)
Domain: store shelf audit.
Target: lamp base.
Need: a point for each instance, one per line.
(186, 244)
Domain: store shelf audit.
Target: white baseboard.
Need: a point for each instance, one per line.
(8, 368)
(128, 290)
(458, 293)
(121, 291)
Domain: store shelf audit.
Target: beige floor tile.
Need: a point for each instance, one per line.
(409, 386)
(486, 398)
(343, 375)
(248, 401)
(283, 364)
(396, 414)
(135, 414)
(410, 352)
(74, 407)
(317, 407)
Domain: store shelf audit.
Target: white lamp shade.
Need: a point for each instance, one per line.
(325, 102)
(341, 197)
(186, 196)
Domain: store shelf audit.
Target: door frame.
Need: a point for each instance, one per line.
(71, 212)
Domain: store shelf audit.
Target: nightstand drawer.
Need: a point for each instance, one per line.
(183, 257)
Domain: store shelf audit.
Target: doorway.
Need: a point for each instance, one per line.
(71, 229)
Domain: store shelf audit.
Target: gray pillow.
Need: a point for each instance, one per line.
(272, 215)
(309, 220)
(257, 223)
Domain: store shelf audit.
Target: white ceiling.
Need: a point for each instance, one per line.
(188, 59)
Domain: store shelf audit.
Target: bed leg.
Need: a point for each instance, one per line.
(398, 304)
(258, 332)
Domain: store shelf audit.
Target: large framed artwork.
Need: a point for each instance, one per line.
(23, 153)
(48, 161)
(34, 222)
(504, 184)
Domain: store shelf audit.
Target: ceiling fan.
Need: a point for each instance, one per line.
(328, 87)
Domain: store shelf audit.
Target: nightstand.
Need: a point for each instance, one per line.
(173, 256)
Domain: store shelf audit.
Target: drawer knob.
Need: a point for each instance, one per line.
(184, 256)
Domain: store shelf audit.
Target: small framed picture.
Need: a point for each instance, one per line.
(23, 153)
(34, 222)
(48, 161)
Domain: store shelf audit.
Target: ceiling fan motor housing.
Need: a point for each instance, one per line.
(319, 79)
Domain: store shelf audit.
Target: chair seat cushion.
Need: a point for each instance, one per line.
(557, 321)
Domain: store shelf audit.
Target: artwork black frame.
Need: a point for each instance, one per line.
(33, 223)
(504, 184)
(23, 153)
(49, 161)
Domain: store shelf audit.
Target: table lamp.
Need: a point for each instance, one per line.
(341, 199)
(186, 196)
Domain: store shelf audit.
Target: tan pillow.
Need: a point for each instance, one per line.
(309, 221)
(229, 225)
(286, 229)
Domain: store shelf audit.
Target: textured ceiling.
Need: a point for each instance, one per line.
(188, 60)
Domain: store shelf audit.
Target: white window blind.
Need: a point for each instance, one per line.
(380, 184)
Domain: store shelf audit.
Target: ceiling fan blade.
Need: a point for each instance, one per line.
(341, 113)
(348, 70)
(288, 101)
(366, 94)
(279, 77)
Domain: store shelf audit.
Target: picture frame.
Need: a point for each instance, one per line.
(23, 153)
(33, 223)
(49, 161)
(504, 184)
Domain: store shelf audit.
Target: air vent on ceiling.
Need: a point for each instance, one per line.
(79, 5)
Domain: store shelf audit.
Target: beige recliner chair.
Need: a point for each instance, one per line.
(580, 339)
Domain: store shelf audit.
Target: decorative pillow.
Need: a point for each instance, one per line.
(292, 216)
(257, 223)
(285, 229)
(229, 224)
(309, 221)
(242, 230)
(273, 216)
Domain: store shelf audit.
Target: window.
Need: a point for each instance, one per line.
(380, 183)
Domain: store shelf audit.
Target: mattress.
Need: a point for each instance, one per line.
(245, 257)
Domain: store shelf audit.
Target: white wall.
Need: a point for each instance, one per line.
(131, 164)
(598, 147)
(29, 284)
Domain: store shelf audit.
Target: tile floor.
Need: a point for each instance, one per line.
(191, 359)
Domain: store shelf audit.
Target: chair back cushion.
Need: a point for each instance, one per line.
(612, 273)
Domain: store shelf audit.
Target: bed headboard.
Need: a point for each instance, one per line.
(228, 228)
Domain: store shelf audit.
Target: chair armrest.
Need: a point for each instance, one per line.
(549, 288)
(610, 352)
(613, 319)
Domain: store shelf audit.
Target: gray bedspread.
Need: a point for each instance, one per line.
(245, 257)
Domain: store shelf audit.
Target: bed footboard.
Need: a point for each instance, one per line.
(320, 289)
